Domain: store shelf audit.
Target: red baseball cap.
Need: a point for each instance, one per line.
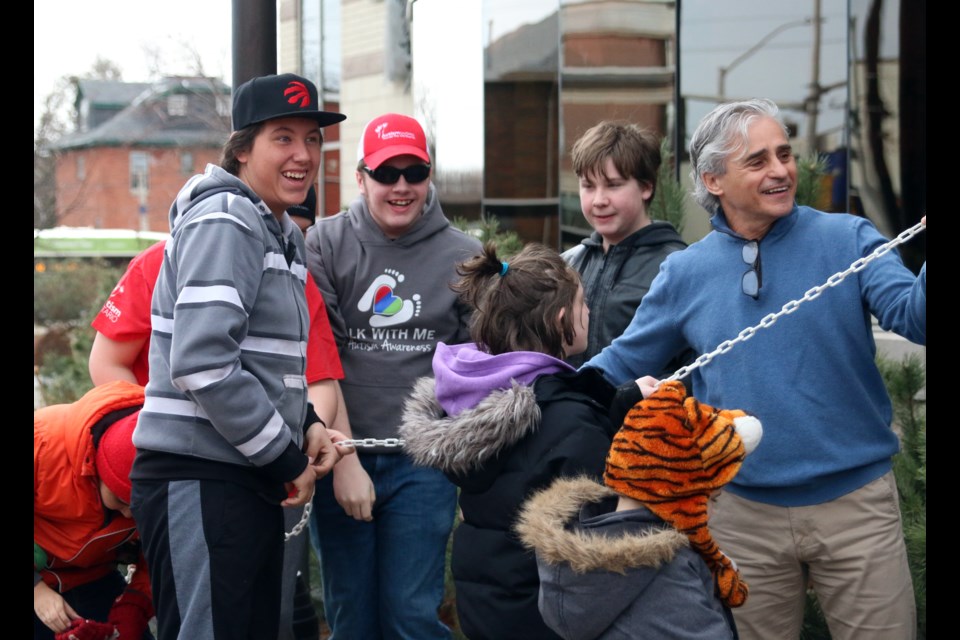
(389, 136)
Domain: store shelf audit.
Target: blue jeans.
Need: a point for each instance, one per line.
(385, 578)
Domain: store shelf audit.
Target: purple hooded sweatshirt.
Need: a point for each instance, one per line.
(465, 375)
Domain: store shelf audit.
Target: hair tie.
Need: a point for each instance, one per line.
(503, 268)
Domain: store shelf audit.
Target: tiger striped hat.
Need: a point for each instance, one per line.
(671, 454)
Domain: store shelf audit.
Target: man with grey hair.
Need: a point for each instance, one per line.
(816, 503)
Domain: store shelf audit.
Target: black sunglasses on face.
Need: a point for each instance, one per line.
(414, 174)
(752, 280)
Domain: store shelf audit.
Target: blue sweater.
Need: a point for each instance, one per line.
(811, 377)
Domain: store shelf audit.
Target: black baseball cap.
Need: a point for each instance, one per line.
(279, 96)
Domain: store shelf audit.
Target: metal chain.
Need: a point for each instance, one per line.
(363, 442)
(792, 306)
(372, 442)
(300, 526)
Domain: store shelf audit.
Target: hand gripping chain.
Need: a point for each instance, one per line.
(792, 306)
(362, 442)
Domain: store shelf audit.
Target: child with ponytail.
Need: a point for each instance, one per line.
(503, 416)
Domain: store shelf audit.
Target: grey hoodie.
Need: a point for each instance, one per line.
(230, 320)
(617, 575)
(389, 303)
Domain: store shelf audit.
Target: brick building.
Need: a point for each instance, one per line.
(134, 147)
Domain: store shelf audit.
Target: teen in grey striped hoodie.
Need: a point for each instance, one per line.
(225, 439)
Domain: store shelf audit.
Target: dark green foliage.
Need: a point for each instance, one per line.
(488, 228)
(66, 297)
(810, 172)
(66, 377)
(670, 198)
(65, 291)
(905, 380)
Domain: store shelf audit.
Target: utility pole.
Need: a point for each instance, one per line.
(812, 103)
(254, 39)
(723, 71)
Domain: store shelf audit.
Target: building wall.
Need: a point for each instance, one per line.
(288, 37)
(329, 181)
(365, 91)
(520, 140)
(101, 197)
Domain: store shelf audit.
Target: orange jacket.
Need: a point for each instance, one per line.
(80, 537)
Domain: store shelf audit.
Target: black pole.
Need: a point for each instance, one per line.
(254, 39)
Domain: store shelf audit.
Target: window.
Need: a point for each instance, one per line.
(320, 58)
(139, 172)
(186, 163)
(224, 106)
(177, 104)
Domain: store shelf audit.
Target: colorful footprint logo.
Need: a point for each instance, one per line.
(387, 307)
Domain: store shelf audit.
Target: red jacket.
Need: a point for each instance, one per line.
(80, 537)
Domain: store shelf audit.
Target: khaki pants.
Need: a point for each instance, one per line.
(851, 549)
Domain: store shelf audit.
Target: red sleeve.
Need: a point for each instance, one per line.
(126, 313)
(323, 359)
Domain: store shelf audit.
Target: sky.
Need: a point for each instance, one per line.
(127, 32)
(778, 68)
(69, 35)
(770, 50)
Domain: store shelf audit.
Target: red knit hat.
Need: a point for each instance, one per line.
(115, 456)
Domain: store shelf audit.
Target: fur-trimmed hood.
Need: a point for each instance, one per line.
(544, 522)
(466, 442)
(609, 575)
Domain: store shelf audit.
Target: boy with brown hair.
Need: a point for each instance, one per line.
(617, 164)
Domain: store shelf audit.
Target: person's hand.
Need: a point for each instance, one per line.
(322, 449)
(923, 221)
(81, 629)
(336, 437)
(52, 609)
(647, 384)
(353, 488)
(629, 394)
(300, 490)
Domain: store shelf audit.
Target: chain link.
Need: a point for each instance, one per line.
(793, 305)
(300, 526)
(372, 442)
